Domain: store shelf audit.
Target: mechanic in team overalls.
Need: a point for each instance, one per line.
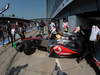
(52, 30)
(83, 33)
(65, 26)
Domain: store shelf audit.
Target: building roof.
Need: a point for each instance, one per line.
(14, 18)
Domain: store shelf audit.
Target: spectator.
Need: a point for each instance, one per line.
(52, 29)
(37, 24)
(21, 31)
(9, 36)
(2, 35)
(77, 29)
(13, 33)
(42, 25)
(65, 26)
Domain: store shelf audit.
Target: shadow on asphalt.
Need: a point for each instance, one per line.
(10, 63)
(17, 70)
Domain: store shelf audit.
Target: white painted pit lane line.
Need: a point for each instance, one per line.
(58, 63)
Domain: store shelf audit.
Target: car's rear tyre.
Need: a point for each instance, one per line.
(29, 48)
(29, 51)
(19, 47)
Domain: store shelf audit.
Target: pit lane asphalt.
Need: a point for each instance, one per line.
(17, 63)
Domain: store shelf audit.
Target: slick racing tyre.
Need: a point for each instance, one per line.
(19, 47)
(29, 47)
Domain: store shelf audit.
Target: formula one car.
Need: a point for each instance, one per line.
(66, 45)
(69, 46)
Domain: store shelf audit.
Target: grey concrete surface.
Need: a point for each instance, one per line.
(17, 63)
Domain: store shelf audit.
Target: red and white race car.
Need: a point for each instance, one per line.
(67, 45)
